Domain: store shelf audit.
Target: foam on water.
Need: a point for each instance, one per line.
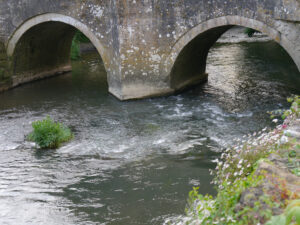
(131, 162)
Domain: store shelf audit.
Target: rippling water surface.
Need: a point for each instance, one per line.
(132, 162)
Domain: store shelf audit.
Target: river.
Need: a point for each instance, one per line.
(133, 162)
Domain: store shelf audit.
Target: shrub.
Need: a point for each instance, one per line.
(75, 48)
(235, 173)
(48, 134)
(250, 31)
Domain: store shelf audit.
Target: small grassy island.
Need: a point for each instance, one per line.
(258, 181)
(49, 134)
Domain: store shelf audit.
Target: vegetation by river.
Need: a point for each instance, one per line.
(254, 184)
(133, 162)
(49, 134)
(78, 39)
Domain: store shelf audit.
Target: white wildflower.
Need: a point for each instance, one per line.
(241, 172)
(284, 139)
(215, 161)
(230, 219)
(227, 176)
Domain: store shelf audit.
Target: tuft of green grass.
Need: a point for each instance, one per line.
(49, 134)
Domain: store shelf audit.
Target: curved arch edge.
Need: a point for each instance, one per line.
(54, 17)
(187, 37)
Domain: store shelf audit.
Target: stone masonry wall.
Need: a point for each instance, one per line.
(140, 41)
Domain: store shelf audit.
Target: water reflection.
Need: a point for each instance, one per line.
(131, 162)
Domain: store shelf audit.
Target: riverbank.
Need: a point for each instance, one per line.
(237, 34)
(256, 180)
(160, 149)
(280, 183)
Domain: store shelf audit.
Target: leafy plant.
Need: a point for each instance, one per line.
(236, 172)
(295, 108)
(250, 31)
(296, 171)
(49, 134)
(78, 38)
(291, 215)
(222, 209)
(75, 49)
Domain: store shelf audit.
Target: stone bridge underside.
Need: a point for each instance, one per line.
(149, 47)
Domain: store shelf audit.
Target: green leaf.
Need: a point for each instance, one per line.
(293, 213)
(277, 220)
(292, 154)
(48, 134)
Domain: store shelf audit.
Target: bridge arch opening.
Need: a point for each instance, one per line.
(187, 61)
(4, 73)
(41, 47)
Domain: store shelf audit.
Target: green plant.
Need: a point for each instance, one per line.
(79, 36)
(291, 215)
(250, 31)
(294, 111)
(49, 134)
(75, 48)
(222, 209)
(236, 174)
(296, 170)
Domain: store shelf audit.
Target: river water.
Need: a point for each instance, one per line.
(132, 162)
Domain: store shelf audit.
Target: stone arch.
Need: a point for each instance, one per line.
(4, 73)
(53, 28)
(204, 36)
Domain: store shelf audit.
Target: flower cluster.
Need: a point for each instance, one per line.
(238, 162)
(235, 173)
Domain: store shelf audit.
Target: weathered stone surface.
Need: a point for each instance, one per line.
(279, 183)
(149, 48)
(5, 77)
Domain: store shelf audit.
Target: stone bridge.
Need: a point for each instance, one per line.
(149, 47)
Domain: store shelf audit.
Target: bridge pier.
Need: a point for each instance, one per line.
(5, 76)
(148, 48)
